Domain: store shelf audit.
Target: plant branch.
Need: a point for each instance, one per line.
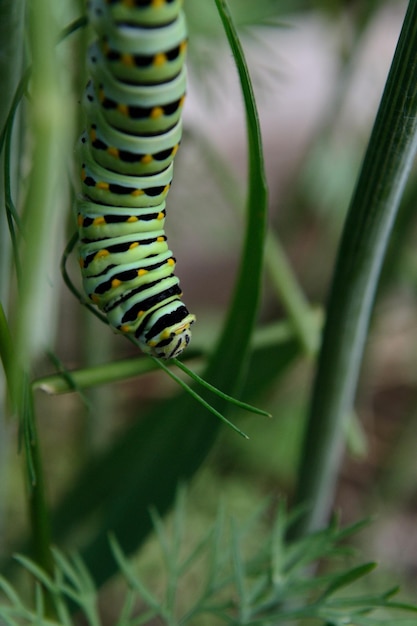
(374, 205)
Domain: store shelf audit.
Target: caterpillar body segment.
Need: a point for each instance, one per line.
(120, 151)
(133, 105)
(142, 54)
(96, 221)
(136, 108)
(106, 187)
(143, 12)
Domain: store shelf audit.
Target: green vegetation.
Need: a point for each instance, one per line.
(104, 450)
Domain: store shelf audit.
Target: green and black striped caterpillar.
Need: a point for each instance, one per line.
(133, 105)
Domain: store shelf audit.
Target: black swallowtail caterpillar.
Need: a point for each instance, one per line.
(133, 105)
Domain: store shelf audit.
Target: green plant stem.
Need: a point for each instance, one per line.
(385, 169)
(65, 381)
(38, 512)
(240, 321)
(11, 31)
(292, 296)
(11, 58)
(39, 217)
(6, 346)
(45, 183)
(281, 274)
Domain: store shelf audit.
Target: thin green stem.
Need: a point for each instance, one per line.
(241, 405)
(38, 510)
(386, 166)
(200, 399)
(11, 60)
(277, 265)
(65, 381)
(11, 212)
(6, 346)
(292, 296)
(241, 317)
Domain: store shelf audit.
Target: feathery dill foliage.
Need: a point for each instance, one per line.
(242, 581)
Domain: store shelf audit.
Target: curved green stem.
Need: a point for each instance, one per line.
(240, 321)
(277, 265)
(387, 163)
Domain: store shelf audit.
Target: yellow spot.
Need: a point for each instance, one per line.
(171, 262)
(137, 192)
(123, 109)
(93, 134)
(101, 253)
(94, 297)
(106, 47)
(125, 329)
(183, 46)
(132, 218)
(142, 272)
(152, 344)
(133, 245)
(181, 328)
(160, 216)
(115, 283)
(166, 334)
(159, 239)
(127, 60)
(83, 174)
(99, 221)
(101, 95)
(100, 184)
(166, 188)
(159, 59)
(113, 152)
(158, 3)
(80, 219)
(182, 100)
(81, 262)
(147, 158)
(156, 112)
(140, 313)
(175, 149)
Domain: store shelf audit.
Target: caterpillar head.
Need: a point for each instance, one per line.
(171, 341)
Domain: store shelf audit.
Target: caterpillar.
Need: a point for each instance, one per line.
(132, 103)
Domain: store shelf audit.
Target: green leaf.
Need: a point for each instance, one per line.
(347, 578)
(37, 572)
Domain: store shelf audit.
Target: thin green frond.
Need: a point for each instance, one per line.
(200, 399)
(241, 588)
(347, 578)
(241, 405)
(37, 572)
